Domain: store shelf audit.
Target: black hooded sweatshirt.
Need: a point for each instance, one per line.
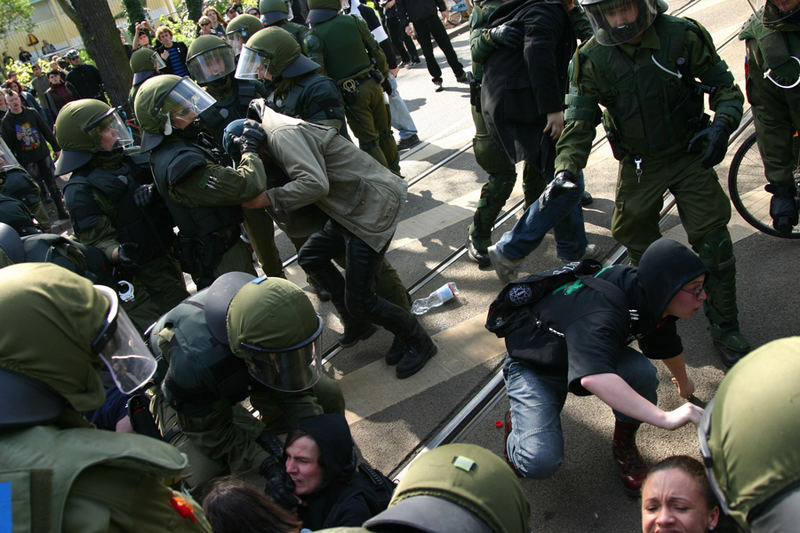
(596, 330)
(340, 502)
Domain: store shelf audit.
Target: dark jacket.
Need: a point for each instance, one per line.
(87, 81)
(56, 99)
(341, 502)
(26, 133)
(522, 85)
(411, 10)
(183, 50)
(595, 329)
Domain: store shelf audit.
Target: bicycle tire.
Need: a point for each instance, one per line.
(746, 181)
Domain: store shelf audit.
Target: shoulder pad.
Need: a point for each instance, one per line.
(184, 161)
(312, 42)
(751, 28)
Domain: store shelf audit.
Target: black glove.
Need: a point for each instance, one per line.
(387, 87)
(506, 35)
(716, 139)
(279, 486)
(142, 195)
(783, 207)
(128, 255)
(270, 443)
(252, 137)
(563, 182)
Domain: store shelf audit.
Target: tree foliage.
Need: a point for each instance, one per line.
(16, 15)
(135, 13)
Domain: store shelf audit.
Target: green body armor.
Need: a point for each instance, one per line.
(345, 54)
(295, 103)
(16, 214)
(18, 184)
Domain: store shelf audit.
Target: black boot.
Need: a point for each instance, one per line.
(355, 332)
(420, 349)
(396, 351)
(632, 467)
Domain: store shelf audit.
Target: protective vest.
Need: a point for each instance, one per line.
(649, 110)
(18, 184)
(315, 110)
(232, 107)
(201, 369)
(345, 53)
(152, 232)
(776, 46)
(41, 463)
(14, 213)
(298, 32)
(476, 22)
(171, 163)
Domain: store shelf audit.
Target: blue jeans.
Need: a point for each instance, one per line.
(536, 444)
(401, 118)
(563, 214)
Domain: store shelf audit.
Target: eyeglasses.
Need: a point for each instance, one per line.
(695, 292)
(206, 24)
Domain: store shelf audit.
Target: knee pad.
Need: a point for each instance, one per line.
(716, 251)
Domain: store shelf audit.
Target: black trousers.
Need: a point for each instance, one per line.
(433, 27)
(401, 41)
(354, 294)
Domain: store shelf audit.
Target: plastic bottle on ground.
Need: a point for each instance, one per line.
(441, 295)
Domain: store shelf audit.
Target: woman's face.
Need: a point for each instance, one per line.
(302, 465)
(672, 501)
(213, 16)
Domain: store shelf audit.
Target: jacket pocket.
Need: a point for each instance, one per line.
(375, 207)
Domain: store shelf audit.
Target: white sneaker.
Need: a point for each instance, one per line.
(505, 268)
(591, 252)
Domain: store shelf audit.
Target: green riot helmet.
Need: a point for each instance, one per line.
(748, 438)
(60, 329)
(325, 4)
(209, 59)
(240, 29)
(87, 126)
(271, 324)
(165, 102)
(7, 159)
(619, 21)
(145, 63)
(275, 51)
(273, 11)
(458, 487)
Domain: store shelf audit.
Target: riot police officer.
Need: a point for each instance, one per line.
(276, 13)
(58, 470)
(202, 195)
(349, 54)
(114, 208)
(240, 29)
(662, 143)
(772, 36)
(211, 64)
(145, 63)
(241, 337)
(17, 183)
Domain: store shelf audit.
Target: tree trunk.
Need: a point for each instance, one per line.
(101, 38)
(195, 9)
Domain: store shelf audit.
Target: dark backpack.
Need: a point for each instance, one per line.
(510, 309)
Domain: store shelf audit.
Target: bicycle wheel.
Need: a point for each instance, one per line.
(746, 181)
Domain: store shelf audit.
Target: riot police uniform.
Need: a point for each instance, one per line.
(349, 54)
(773, 46)
(60, 473)
(240, 29)
(17, 183)
(276, 13)
(145, 63)
(202, 196)
(211, 64)
(213, 343)
(654, 114)
(134, 233)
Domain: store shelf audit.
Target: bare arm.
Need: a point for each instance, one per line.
(677, 367)
(617, 394)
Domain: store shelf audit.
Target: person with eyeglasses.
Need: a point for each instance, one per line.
(576, 339)
(749, 436)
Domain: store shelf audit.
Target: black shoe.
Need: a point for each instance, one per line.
(408, 142)
(480, 257)
(462, 78)
(396, 351)
(438, 84)
(353, 334)
(586, 198)
(415, 62)
(420, 349)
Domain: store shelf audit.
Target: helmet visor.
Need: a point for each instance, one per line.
(158, 61)
(236, 39)
(7, 159)
(619, 21)
(211, 64)
(121, 347)
(110, 131)
(185, 102)
(252, 65)
(289, 369)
